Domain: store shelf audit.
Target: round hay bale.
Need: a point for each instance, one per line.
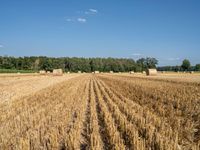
(191, 72)
(42, 72)
(151, 72)
(58, 72)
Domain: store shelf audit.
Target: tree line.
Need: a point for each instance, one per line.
(186, 66)
(75, 64)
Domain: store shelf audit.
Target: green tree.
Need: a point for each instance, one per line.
(151, 62)
(186, 64)
(145, 63)
(197, 67)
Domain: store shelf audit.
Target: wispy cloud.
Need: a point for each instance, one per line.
(173, 59)
(1, 46)
(91, 11)
(83, 16)
(136, 54)
(82, 20)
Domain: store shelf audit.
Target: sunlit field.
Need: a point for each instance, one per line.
(100, 111)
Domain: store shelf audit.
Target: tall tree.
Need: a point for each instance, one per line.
(186, 65)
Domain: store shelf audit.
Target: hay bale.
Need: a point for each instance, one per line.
(144, 72)
(42, 72)
(151, 72)
(68, 72)
(96, 72)
(18, 73)
(79, 71)
(111, 71)
(48, 72)
(191, 72)
(131, 72)
(58, 72)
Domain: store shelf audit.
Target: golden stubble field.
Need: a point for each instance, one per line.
(100, 111)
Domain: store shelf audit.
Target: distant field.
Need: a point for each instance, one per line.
(16, 71)
(171, 76)
(100, 111)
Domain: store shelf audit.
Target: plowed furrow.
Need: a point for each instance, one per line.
(111, 135)
(143, 122)
(127, 130)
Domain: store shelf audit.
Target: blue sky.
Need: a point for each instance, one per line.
(168, 30)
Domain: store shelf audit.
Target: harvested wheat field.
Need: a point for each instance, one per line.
(99, 111)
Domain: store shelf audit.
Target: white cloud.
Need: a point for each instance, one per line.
(91, 11)
(82, 20)
(1, 45)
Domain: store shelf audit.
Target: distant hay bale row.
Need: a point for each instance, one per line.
(151, 72)
(111, 71)
(96, 72)
(57, 72)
